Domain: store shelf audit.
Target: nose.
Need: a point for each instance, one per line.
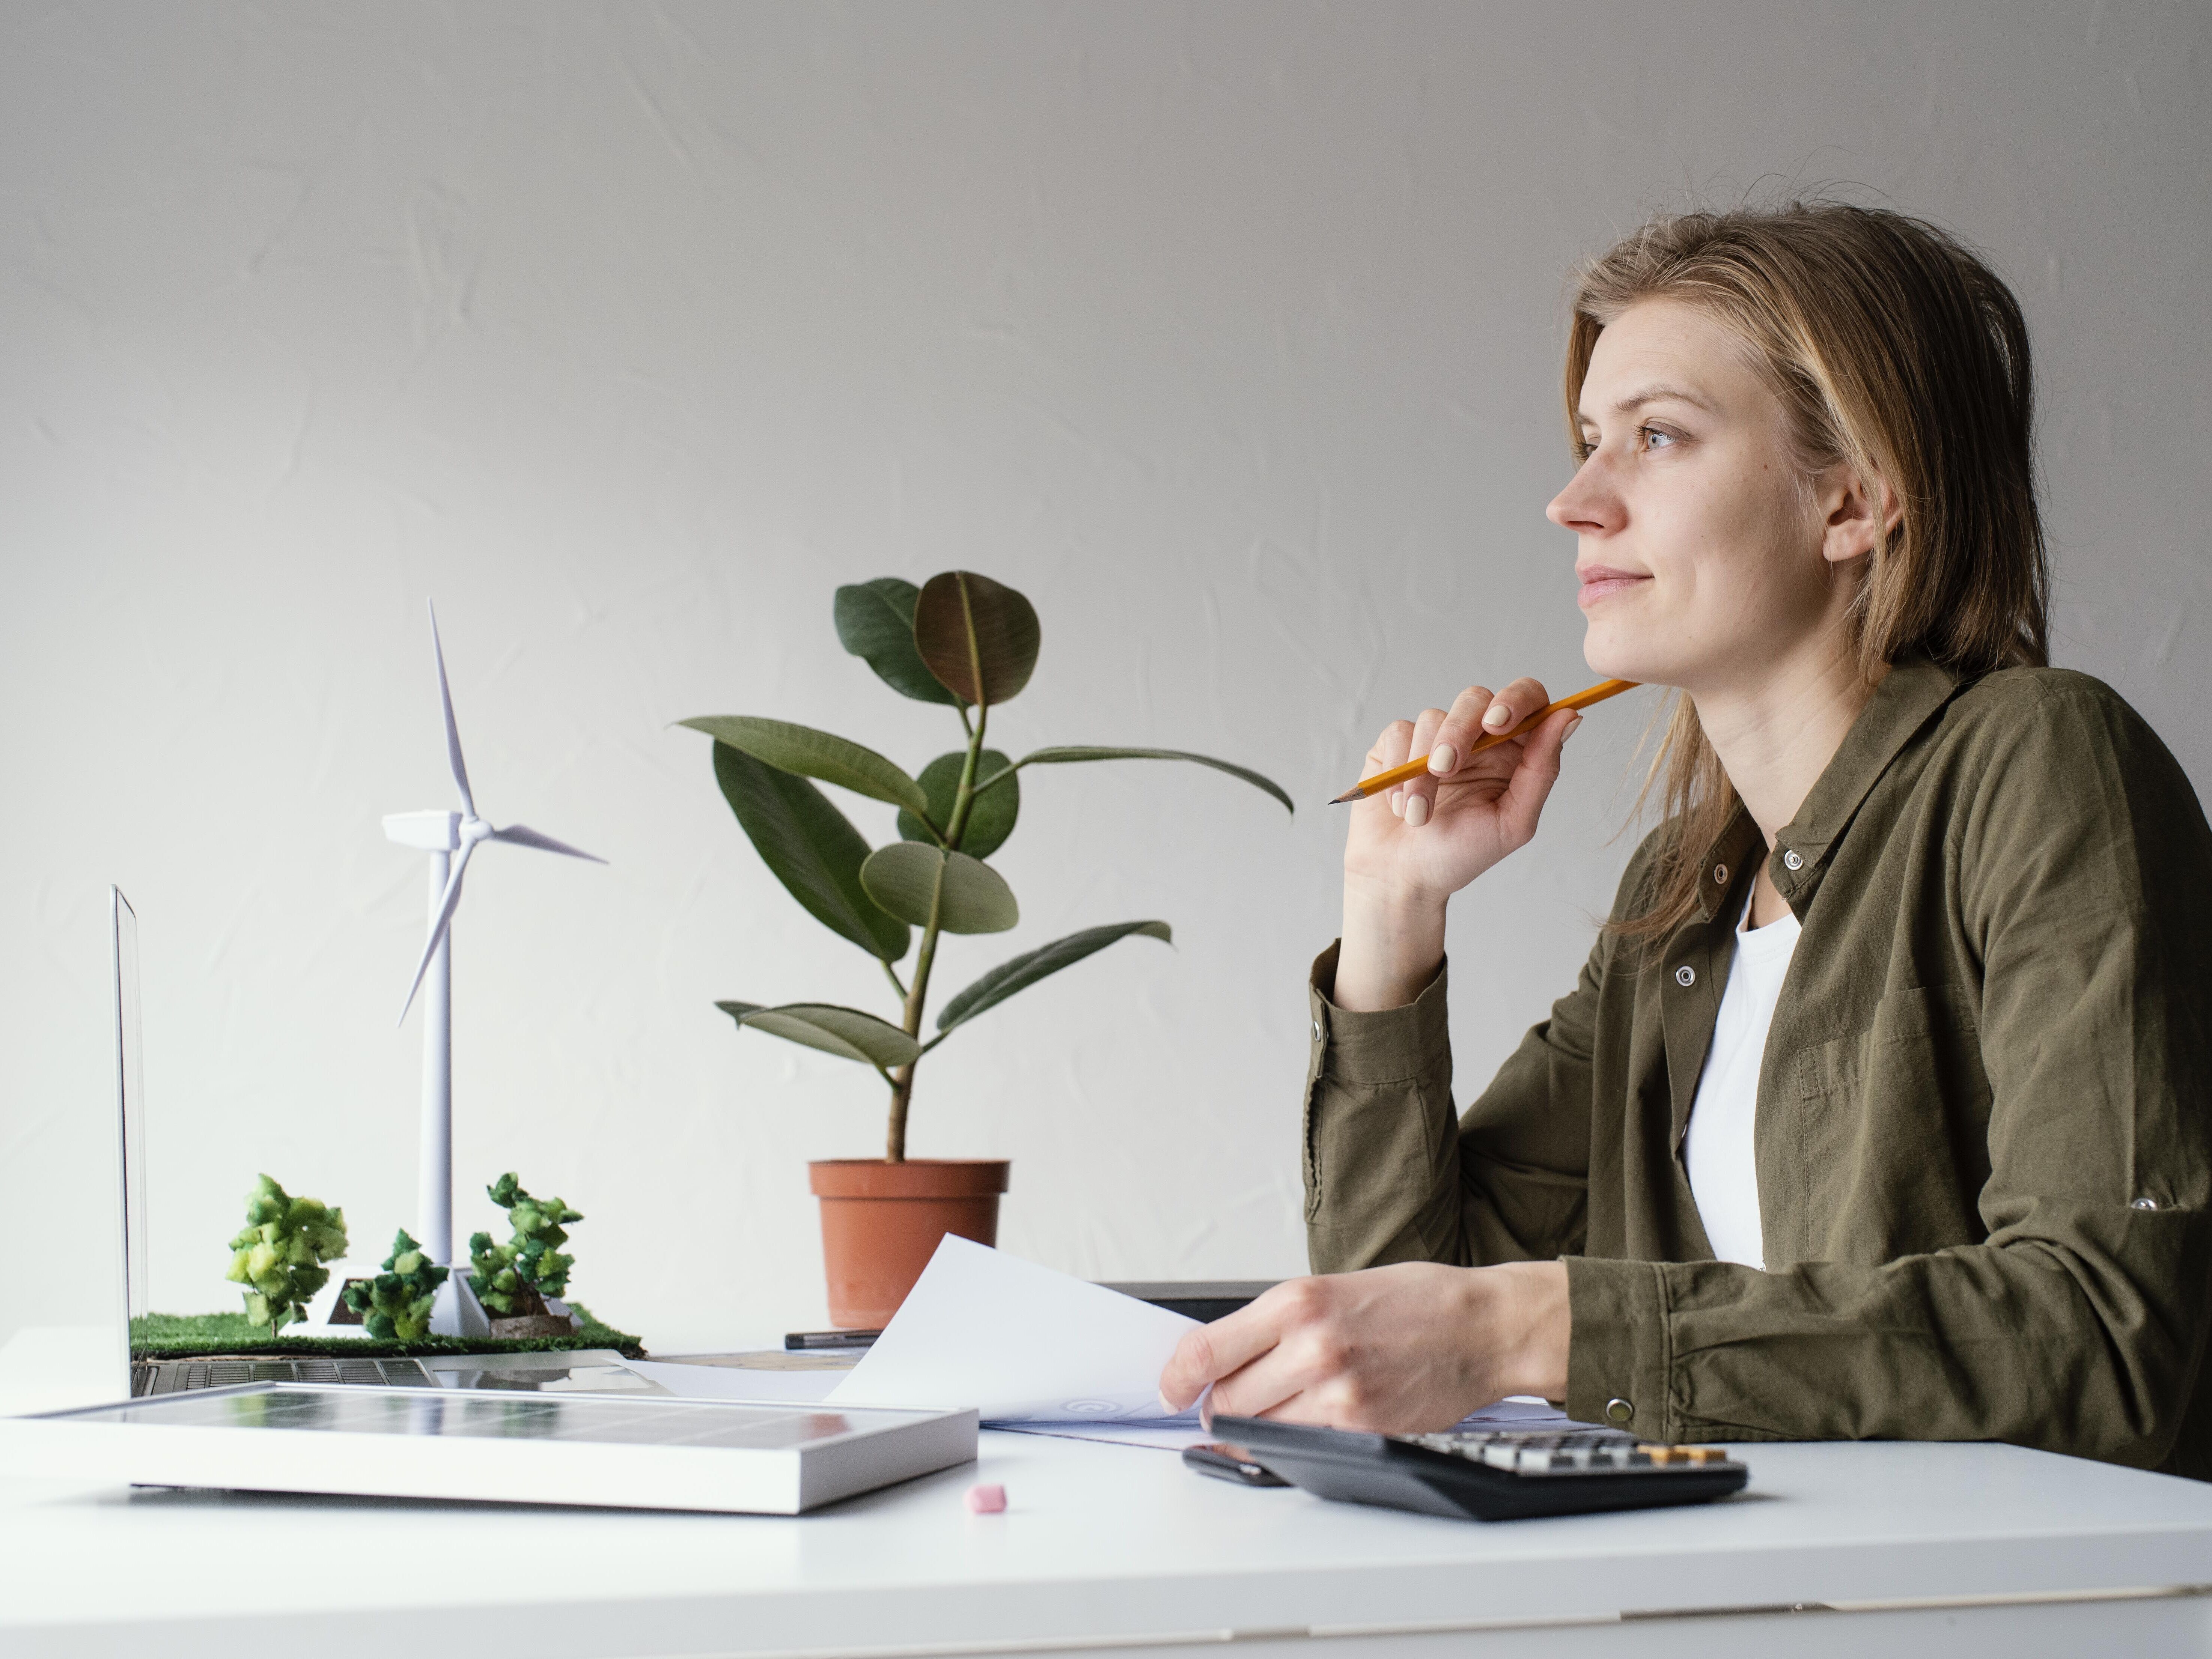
(1588, 506)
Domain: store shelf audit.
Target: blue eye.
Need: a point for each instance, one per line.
(1656, 439)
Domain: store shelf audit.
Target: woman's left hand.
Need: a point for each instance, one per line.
(1399, 1350)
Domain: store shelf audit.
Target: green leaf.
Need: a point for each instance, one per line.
(812, 850)
(1060, 757)
(848, 1033)
(990, 817)
(977, 636)
(875, 622)
(813, 754)
(1024, 971)
(904, 878)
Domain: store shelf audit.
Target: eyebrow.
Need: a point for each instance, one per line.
(1652, 394)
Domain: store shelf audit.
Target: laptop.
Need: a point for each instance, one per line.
(578, 1428)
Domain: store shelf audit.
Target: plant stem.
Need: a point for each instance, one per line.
(964, 797)
(926, 957)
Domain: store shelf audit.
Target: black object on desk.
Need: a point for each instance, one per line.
(1226, 1462)
(1503, 1475)
(794, 1341)
(1203, 1299)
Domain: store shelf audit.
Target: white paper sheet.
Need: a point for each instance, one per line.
(1020, 1342)
(728, 1383)
(1521, 1411)
(1171, 1437)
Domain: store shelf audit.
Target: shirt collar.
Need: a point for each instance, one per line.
(1913, 691)
(1727, 866)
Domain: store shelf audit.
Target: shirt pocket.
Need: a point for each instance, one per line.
(1893, 1132)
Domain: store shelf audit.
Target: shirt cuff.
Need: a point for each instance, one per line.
(1617, 1358)
(1388, 1046)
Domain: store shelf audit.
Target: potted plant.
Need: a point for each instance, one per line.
(970, 643)
(280, 1254)
(521, 1282)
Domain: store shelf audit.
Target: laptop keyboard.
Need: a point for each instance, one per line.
(177, 1376)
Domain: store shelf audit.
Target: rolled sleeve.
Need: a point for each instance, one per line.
(1389, 1045)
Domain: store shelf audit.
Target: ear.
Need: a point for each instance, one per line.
(1860, 513)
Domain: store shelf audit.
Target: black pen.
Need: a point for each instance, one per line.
(797, 1339)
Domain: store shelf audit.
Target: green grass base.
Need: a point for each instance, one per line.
(179, 1336)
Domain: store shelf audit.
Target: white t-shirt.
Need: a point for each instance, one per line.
(1724, 1169)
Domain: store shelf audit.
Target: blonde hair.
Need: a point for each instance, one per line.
(1894, 351)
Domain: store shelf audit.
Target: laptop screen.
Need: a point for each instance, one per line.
(130, 1103)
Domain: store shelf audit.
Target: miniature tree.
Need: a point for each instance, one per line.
(396, 1302)
(280, 1254)
(507, 1276)
(970, 643)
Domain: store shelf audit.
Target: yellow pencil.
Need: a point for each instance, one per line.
(1415, 768)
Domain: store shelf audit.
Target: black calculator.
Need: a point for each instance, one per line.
(1488, 1474)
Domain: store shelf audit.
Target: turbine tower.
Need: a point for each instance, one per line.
(443, 836)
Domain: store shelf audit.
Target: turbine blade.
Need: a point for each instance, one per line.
(438, 926)
(522, 835)
(453, 731)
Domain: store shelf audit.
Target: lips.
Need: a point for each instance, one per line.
(1602, 583)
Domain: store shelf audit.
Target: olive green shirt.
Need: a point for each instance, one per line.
(1983, 1133)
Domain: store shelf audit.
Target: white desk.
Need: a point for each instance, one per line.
(1956, 1550)
(1107, 1547)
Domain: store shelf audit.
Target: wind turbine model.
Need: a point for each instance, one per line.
(441, 835)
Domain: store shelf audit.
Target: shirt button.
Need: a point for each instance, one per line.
(1791, 861)
(2144, 1204)
(1316, 1030)
(1720, 875)
(1686, 974)
(1618, 1410)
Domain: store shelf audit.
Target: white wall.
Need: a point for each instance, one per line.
(1227, 332)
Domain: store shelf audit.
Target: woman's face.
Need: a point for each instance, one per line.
(1706, 559)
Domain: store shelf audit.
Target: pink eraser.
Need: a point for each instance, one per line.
(986, 1500)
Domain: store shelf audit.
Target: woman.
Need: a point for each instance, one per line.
(1883, 1106)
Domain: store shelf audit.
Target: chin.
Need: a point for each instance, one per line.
(1614, 654)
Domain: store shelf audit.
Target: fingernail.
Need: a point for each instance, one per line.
(1417, 811)
(1499, 715)
(1443, 759)
(1397, 803)
(1573, 725)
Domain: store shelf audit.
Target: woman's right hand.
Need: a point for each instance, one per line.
(1412, 847)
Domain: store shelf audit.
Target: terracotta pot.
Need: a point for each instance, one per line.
(881, 1223)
